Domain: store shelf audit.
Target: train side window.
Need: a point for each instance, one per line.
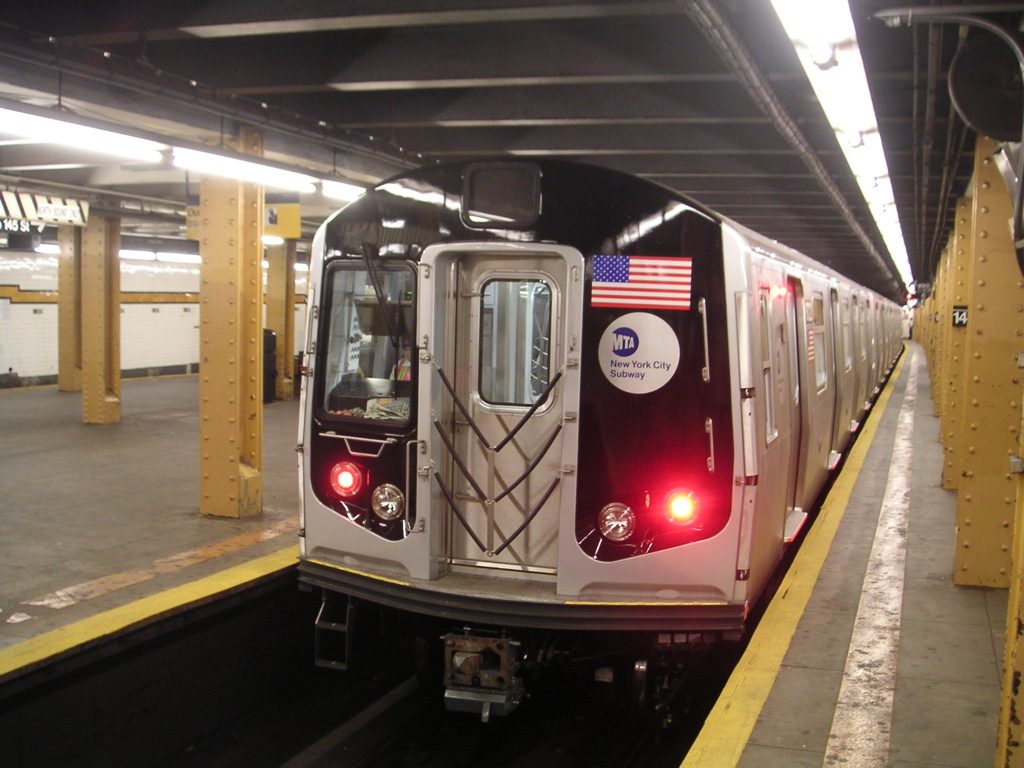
(818, 348)
(515, 340)
(771, 430)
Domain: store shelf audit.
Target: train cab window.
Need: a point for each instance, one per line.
(368, 360)
(767, 382)
(515, 365)
(818, 348)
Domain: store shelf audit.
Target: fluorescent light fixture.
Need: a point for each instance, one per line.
(132, 255)
(168, 257)
(339, 190)
(301, 267)
(272, 240)
(241, 170)
(825, 40)
(66, 133)
(47, 248)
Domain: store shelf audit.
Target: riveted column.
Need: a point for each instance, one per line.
(101, 321)
(281, 313)
(231, 344)
(995, 335)
(69, 309)
(1010, 738)
(923, 327)
(958, 278)
(938, 361)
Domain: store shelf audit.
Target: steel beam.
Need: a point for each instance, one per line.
(101, 321)
(995, 333)
(280, 302)
(69, 310)
(940, 308)
(959, 282)
(231, 344)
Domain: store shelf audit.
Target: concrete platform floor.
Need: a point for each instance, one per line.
(96, 516)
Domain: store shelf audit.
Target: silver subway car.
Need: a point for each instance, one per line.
(552, 410)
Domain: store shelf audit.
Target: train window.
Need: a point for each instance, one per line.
(515, 340)
(767, 383)
(368, 360)
(504, 195)
(818, 348)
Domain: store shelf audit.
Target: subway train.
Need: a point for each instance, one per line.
(554, 413)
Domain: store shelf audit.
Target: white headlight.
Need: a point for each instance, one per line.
(616, 521)
(387, 502)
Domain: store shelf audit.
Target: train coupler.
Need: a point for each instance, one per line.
(481, 674)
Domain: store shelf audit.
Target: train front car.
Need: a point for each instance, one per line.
(518, 422)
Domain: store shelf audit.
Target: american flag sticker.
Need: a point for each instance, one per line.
(642, 282)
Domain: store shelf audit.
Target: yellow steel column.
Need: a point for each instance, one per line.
(939, 367)
(231, 344)
(69, 309)
(1009, 748)
(101, 321)
(281, 313)
(987, 490)
(955, 368)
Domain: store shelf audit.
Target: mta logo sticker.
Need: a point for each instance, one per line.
(638, 353)
(624, 341)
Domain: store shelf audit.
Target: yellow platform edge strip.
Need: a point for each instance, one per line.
(63, 639)
(725, 733)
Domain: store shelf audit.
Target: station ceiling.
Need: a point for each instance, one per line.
(704, 96)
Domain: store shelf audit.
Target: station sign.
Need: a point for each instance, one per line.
(25, 211)
(959, 316)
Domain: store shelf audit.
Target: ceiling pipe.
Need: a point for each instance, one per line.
(706, 15)
(957, 15)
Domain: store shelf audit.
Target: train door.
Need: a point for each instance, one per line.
(842, 362)
(794, 333)
(503, 385)
(777, 482)
(797, 335)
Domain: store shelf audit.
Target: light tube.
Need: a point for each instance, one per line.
(66, 133)
(339, 190)
(241, 170)
(825, 40)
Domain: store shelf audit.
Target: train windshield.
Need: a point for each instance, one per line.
(368, 360)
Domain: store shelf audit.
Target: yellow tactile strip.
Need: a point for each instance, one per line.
(56, 642)
(87, 590)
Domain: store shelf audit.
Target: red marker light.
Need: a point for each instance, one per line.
(346, 479)
(681, 507)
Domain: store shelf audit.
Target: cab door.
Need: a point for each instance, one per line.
(504, 393)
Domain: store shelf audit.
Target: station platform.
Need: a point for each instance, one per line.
(868, 655)
(101, 526)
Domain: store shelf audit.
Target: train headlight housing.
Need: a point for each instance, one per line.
(346, 479)
(681, 507)
(387, 502)
(616, 521)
